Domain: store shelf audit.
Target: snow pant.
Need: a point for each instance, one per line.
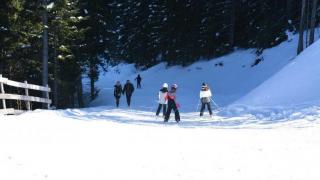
(172, 106)
(117, 101)
(138, 84)
(164, 109)
(128, 97)
(203, 107)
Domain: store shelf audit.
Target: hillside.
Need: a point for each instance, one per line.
(230, 77)
(298, 83)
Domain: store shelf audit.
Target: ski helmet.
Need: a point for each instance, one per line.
(203, 86)
(165, 85)
(174, 86)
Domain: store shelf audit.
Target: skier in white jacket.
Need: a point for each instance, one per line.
(205, 97)
(162, 99)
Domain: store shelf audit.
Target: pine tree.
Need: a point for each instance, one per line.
(66, 37)
(302, 27)
(95, 47)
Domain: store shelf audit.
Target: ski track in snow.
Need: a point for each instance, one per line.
(225, 118)
(105, 143)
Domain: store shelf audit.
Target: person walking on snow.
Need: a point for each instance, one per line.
(172, 104)
(205, 97)
(162, 99)
(138, 79)
(128, 89)
(117, 92)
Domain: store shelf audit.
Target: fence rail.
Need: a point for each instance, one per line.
(26, 97)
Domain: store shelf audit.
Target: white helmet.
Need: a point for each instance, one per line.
(165, 85)
(174, 86)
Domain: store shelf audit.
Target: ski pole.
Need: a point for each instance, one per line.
(154, 108)
(214, 103)
(198, 105)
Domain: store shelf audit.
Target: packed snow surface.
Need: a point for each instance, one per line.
(102, 143)
(247, 139)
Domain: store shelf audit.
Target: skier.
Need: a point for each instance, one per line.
(138, 79)
(162, 99)
(117, 92)
(205, 97)
(128, 89)
(172, 104)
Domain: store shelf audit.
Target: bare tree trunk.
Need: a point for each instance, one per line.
(232, 22)
(45, 44)
(307, 21)
(56, 79)
(92, 92)
(289, 9)
(313, 21)
(302, 25)
(80, 91)
(45, 55)
(91, 76)
(72, 100)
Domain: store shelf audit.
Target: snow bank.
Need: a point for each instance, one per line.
(296, 84)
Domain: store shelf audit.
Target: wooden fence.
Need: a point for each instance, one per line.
(26, 97)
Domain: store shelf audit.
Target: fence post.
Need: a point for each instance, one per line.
(27, 94)
(2, 92)
(47, 96)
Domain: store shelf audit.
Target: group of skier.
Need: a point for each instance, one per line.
(167, 99)
(127, 89)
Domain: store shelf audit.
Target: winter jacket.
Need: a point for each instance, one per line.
(117, 91)
(138, 78)
(171, 95)
(205, 95)
(172, 98)
(128, 89)
(162, 96)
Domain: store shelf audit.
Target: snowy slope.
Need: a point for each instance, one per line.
(232, 81)
(102, 142)
(99, 144)
(298, 83)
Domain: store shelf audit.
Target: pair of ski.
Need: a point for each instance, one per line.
(205, 118)
(164, 121)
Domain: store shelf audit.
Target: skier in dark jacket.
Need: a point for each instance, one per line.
(128, 89)
(117, 92)
(138, 79)
(205, 97)
(163, 101)
(172, 104)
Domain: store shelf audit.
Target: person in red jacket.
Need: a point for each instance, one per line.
(172, 104)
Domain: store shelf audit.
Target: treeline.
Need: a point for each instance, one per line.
(21, 48)
(84, 36)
